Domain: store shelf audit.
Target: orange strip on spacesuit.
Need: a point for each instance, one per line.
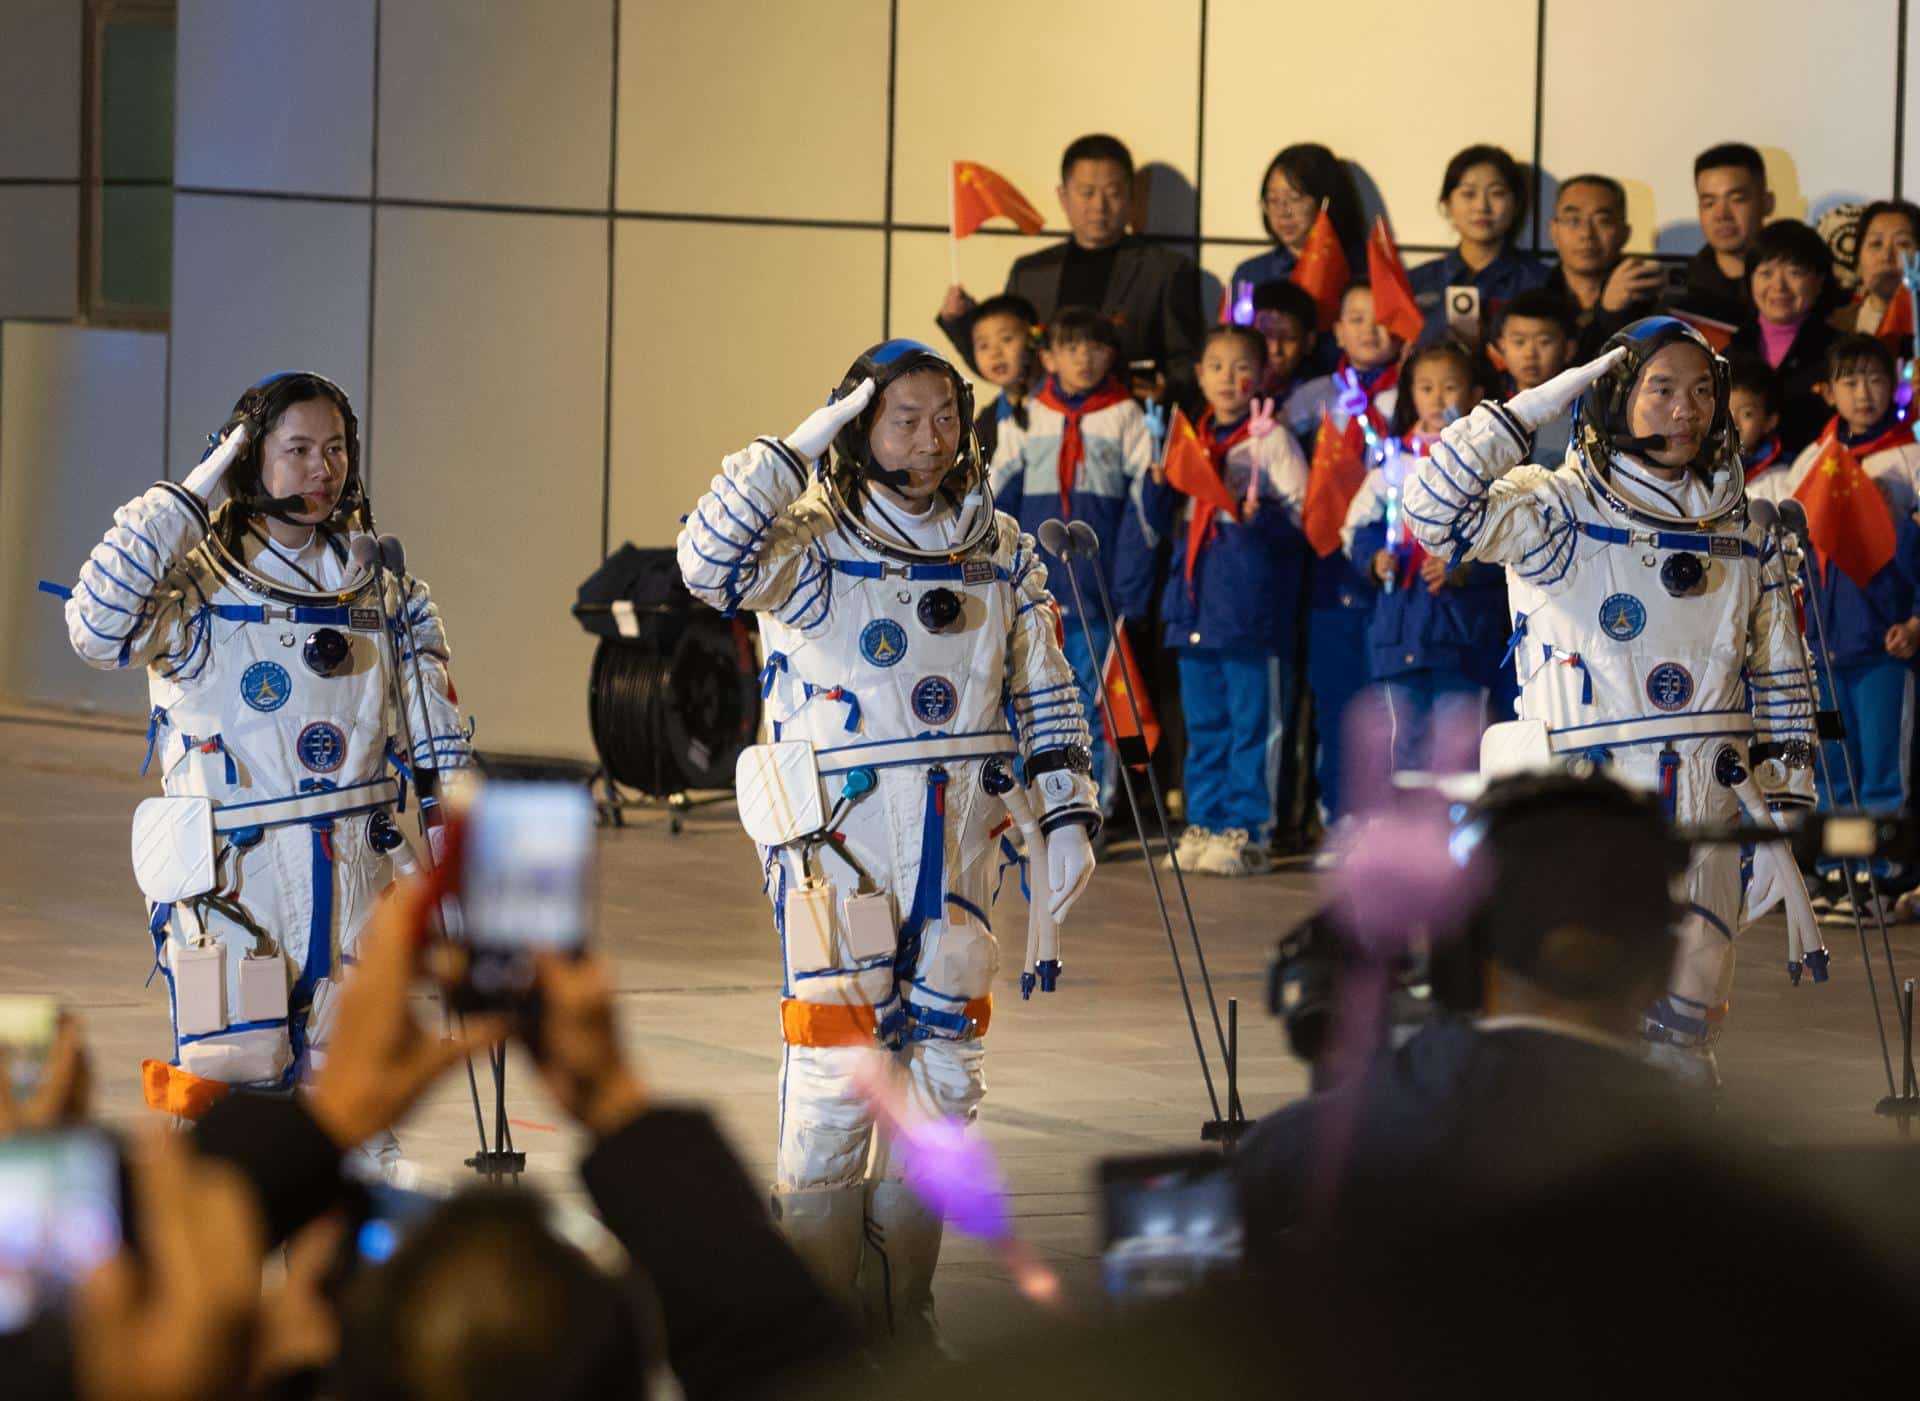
(831, 1024)
(179, 1092)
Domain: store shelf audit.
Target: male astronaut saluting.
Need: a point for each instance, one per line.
(1654, 628)
(905, 622)
(276, 668)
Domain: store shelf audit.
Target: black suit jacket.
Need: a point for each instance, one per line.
(1153, 297)
(1457, 1118)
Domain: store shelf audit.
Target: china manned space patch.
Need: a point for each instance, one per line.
(322, 747)
(363, 619)
(1623, 617)
(883, 642)
(1669, 686)
(935, 699)
(265, 686)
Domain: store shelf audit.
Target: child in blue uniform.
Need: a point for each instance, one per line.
(1230, 607)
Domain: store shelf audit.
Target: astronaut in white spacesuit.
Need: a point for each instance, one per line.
(1654, 628)
(278, 656)
(917, 695)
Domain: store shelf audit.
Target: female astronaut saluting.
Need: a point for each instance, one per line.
(277, 655)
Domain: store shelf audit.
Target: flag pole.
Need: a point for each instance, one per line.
(953, 241)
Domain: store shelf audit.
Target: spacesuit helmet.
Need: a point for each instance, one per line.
(884, 363)
(261, 406)
(1600, 424)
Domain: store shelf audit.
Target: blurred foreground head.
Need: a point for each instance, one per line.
(483, 1301)
(1576, 874)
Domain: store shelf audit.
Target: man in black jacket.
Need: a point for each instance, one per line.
(1150, 291)
(1573, 942)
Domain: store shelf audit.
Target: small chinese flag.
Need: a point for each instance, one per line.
(1190, 469)
(1896, 326)
(1393, 305)
(979, 194)
(1718, 333)
(1125, 690)
(1339, 468)
(1322, 271)
(1847, 518)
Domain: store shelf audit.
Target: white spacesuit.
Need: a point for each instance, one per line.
(272, 674)
(911, 660)
(1654, 633)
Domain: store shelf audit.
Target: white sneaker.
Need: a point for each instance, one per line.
(1193, 842)
(1230, 853)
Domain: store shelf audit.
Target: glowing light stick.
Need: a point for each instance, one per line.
(1910, 279)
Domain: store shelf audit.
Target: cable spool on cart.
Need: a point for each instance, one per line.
(674, 692)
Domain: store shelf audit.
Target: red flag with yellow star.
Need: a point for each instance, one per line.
(1847, 518)
(1322, 271)
(979, 194)
(1335, 475)
(1121, 677)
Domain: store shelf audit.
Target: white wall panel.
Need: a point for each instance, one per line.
(1060, 70)
(40, 89)
(261, 286)
(80, 430)
(39, 250)
(275, 95)
(776, 108)
(507, 102)
(1397, 90)
(1813, 88)
(489, 349)
(722, 334)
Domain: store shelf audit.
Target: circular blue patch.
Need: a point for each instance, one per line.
(1669, 686)
(1623, 617)
(322, 747)
(935, 699)
(883, 642)
(266, 686)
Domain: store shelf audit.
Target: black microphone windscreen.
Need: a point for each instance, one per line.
(393, 554)
(1055, 539)
(1793, 516)
(1763, 513)
(363, 553)
(1085, 538)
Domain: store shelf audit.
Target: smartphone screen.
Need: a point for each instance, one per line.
(60, 1216)
(27, 1027)
(1170, 1222)
(525, 882)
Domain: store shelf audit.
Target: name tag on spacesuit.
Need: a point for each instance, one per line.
(173, 848)
(778, 789)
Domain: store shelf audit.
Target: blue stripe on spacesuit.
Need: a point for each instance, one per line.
(111, 578)
(131, 560)
(1665, 539)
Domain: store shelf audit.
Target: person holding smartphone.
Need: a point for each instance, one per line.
(299, 690)
(918, 698)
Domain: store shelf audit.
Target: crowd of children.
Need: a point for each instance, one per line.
(1255, 537)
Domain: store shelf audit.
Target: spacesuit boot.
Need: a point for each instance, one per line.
(1679, 1039)
(825, 1226)
(896, 1276)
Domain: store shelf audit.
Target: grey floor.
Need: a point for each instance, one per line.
(1105, 1065)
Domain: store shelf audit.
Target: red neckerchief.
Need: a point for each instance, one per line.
(1102, 396)
(1217, 449)
(1899, 435)
(1768, 454)
(1408, 549)
(1387, 378)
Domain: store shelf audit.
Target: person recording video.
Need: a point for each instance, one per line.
(1535, 1070)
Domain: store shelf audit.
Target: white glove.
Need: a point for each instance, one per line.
(1546, 402)
(208, 480)
(819, 428)
(1777, 880)
(1069, 868)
